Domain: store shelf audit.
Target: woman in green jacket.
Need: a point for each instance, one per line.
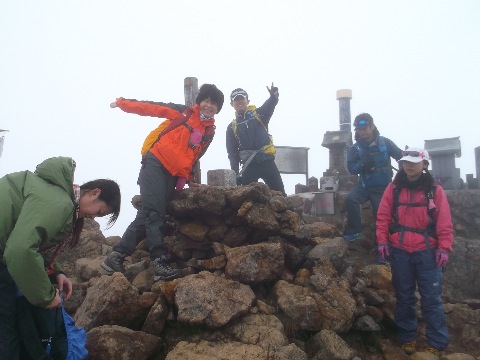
(40, 214)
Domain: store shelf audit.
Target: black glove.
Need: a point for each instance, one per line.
(273, 90)
(368, 165)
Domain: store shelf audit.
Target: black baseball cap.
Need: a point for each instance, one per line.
(363, 120)
(238, 92)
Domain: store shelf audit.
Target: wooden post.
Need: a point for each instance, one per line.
(190, 86)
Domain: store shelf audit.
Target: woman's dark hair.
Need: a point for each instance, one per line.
(210, 91)
(110, 194)
(426, 181)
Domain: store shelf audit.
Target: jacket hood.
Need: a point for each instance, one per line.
(58, 171)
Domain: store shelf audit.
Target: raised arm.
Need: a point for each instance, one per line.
(266, 110)
(149, 108)
(393, 150)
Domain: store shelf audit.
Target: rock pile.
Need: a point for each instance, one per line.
(258, 283)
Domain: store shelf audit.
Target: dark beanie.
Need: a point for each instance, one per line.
(210, 91)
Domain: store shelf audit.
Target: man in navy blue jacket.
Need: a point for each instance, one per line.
(369, 157)
(249, 143)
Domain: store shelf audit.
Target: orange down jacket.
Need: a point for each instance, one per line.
(173, 149)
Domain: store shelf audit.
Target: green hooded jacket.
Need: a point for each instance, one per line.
(36, 215)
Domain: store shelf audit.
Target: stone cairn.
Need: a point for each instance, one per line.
(258, 283)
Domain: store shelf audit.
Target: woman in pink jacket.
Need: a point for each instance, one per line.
(415, 231)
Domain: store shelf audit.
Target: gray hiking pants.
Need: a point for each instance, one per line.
(156, 190)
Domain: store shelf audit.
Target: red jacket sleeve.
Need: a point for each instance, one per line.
(444, 226)
(385, 215)
(145, 108)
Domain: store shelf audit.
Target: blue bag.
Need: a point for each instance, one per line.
(49, 333)
(76, 337)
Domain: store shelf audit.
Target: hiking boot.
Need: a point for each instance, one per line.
(409, 347)
(163, 270)
(114, 262)
(353, 237)
(432, 350)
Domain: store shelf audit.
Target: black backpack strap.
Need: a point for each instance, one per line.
(431, 227)
(395, 226)
(396, 196)
(179, 120)
(174, 123)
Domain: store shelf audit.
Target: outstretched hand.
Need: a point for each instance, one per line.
(273, 90)
(114, 104)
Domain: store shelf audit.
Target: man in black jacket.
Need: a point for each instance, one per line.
(249, 143)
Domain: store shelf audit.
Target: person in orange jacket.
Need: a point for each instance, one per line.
(167, 164)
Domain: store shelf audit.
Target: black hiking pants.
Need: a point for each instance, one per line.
(267, 171)
(9, 333)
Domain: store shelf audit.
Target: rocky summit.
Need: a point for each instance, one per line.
(260, 282)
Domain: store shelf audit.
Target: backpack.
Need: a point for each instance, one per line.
(430, 230)
(267, 149)
(164, 128)
(383, 173)
(49, 334)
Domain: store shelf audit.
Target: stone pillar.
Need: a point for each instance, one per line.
(313, 184)
(338, 143)
(344, 96)
(221, 177)
(301, 188)
(442, 158)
